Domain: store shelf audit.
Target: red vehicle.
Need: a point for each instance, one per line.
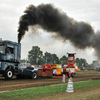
(46, 71)
(49, 70)
(71, 68)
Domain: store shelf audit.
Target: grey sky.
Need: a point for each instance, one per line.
(80, 10)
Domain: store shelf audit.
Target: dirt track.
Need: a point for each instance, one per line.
(28, 83)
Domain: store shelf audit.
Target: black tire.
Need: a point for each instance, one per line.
(8, 74)
(72, 75)
(68, 74)
(34, 75)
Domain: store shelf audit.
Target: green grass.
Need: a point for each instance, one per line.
(88, 72)
(87, 84)
(33, 93)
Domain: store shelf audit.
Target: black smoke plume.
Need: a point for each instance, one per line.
(51, 19)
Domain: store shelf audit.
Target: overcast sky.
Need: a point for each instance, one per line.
(80, 10)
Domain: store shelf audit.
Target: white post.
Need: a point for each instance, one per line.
(63, 81)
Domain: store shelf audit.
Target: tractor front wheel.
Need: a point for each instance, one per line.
(34, 75)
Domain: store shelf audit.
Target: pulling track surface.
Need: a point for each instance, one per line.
(13, 84)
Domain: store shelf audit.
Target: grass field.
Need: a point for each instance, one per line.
(88, 71)
(38, 92)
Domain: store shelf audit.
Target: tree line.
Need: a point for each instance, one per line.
(36, 57)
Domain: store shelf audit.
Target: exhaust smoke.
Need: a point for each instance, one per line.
(53, 20)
